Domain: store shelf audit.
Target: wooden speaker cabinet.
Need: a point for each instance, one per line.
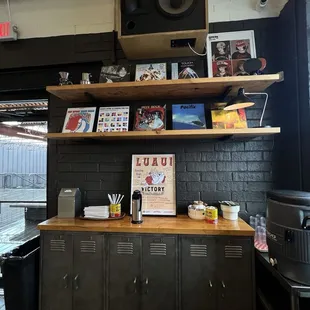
(154, 29)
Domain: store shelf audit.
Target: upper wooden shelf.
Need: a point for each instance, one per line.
(167, 89)
(168, 134)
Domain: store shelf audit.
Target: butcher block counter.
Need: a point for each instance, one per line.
(179, 225)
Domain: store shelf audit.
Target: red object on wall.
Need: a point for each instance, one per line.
(5, 28)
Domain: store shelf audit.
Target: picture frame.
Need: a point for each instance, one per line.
(227, 52)
(154, 176)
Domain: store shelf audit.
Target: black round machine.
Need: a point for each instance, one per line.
(288, 233)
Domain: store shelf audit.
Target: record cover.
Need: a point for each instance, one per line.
(113, 119)
(188, 116)
(150, 118)
(79, 120)
(186, 70)
(116, 73)
(229, 119)
(148, 72)
(227, 52)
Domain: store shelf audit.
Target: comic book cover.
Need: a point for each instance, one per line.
(79, 120)
(229, 119)
(154, 176)
(150, 118)
(116, 73)
(148, 72)
(186, 70)
(188, 116)
(113, 119)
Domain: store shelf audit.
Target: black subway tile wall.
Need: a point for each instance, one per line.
(210, 170)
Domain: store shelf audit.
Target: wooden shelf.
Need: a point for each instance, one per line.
(167, 89)
(168, 134)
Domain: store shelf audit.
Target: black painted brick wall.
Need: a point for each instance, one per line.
(210, 170)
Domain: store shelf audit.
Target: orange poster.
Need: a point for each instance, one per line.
(154, 177)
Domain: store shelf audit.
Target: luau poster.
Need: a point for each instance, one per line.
(154, 176)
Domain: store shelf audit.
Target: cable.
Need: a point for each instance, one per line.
(196, 52)
(9, 10)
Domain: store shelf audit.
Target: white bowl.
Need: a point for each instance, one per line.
(230, 212)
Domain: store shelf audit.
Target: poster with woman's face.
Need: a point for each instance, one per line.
(228, 51)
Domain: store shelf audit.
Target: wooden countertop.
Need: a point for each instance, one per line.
(181, 224)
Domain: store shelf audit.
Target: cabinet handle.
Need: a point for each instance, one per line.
(223, 284)
(210, 283)
(146, 283)
(135, 283)
(76, 283)
(65, 279)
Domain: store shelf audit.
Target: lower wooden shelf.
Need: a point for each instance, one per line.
(169, 134)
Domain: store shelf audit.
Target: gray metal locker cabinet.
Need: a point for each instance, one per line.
(88, 277)
(235, 273)
(124, 270)
(159, 275)
(198, 273)
(56, 281)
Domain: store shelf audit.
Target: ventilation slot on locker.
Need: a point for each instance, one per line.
(125, 248)
(198, 250)
(158, 249)
(57, 245)
(233, 251)
(88, 247)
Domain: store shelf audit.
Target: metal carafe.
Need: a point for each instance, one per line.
(136, 207)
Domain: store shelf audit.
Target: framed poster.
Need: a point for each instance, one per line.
(227, 52)
(154, 176)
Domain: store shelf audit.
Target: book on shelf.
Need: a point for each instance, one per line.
(150, 118)
(79, 120)
(115, 73)
(113, 119)
(188, 116)
(187, 70)
(222, 119)
(148, 72)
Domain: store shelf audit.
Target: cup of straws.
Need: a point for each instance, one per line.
(115, 205)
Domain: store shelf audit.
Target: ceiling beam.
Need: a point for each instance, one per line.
(22, 133)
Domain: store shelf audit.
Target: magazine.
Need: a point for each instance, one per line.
(113, 119)
(188, 116)
(147, 72)
(150, 118)
(79, 120)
